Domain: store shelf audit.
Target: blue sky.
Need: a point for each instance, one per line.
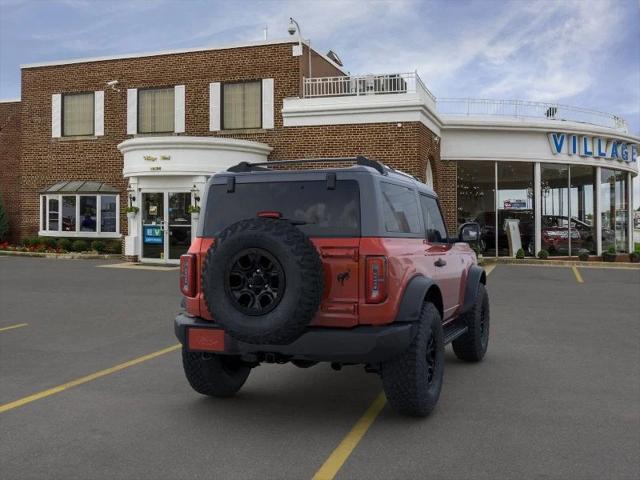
(577, 52)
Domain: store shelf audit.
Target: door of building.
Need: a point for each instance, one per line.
(166, 226)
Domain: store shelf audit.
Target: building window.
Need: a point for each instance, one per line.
(476, 200)
(400, 209)
(614, 197)
(515, 207)
(78, 114)
(156, 110)
(80, 215)
(242, 105)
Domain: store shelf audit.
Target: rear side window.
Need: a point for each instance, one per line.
(400, 209)
(436, 231)
(322, 212)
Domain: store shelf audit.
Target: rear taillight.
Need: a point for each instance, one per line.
(188, 275)
(376, 279)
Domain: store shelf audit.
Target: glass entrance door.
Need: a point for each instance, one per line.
(166, 225)
(179, 224)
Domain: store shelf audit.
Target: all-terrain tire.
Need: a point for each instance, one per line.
(214, 375)
(300, 290)
(411, 383)
(472, 346)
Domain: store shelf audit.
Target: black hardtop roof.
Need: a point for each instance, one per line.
(364, 166)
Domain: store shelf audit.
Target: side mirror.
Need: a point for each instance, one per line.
(469, 232)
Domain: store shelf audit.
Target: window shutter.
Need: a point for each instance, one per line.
(98, 113)
(178, 111)
(132, 111)
(214, 106)
(267, 103)
(56, 115)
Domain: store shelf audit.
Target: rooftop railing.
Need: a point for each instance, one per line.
(357, 85)
(526, 109)
(399, 83)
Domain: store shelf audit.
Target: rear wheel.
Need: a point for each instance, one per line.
(472, 346)
(214, 375)
(412, 381)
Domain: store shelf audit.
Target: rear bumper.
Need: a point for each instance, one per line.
(363, 344)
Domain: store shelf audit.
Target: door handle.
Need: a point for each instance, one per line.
(440, 263)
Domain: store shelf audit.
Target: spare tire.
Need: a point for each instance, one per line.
(262, 280)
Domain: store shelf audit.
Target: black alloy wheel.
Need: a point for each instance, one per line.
(254, 281)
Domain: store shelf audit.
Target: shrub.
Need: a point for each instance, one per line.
(29, 242)
(4, 223)
(634, 257)
(65, 244)
(520, 253)
(543, 254)
(583, 255)
(611, 249)
(114, 246)
(47, 242)
(99, 246)
(80, 246)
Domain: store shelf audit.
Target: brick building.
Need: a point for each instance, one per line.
(91, 137)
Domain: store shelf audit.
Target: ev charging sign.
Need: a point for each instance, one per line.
(596, 147)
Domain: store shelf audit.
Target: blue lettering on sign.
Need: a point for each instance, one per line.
(634, 153)
(601, 150)
(586, 147)
(557, 141)
(624, 152)
(573, 149)
(152, 235)
(613, 154)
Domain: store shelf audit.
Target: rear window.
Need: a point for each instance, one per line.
(325, 212)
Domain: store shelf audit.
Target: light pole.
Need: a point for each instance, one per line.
(293, 28)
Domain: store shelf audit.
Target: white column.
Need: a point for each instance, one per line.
(630, 211)
(598, 213)
(132, 239)
(537, 189)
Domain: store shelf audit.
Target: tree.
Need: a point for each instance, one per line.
(4, 222)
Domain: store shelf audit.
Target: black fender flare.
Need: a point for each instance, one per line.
(413, 297)
(475, 277)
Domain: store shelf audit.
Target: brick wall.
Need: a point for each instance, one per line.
(46, 160)
(10, 163)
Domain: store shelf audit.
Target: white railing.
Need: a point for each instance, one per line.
(356, 85)
(526, 109)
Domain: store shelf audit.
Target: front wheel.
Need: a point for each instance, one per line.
(412, 381)
(214, 375)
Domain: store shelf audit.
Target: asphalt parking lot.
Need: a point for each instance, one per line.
(558, 395)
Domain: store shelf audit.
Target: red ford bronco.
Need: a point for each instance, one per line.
(342, 265)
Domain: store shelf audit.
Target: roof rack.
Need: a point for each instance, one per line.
(260, 166)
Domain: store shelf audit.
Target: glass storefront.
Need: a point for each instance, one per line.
(476, 200)
(515, 208)
(567, 207)
(614, 210)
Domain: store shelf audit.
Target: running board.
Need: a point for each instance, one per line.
(450, 334)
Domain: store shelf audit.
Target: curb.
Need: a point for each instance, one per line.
(561, 263)
(64, 256)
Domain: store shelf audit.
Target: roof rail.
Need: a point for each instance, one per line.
(260, 166)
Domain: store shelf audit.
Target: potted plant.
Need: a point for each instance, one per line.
(520, 253)
(194, 210)
(610, 255)
(583, 255)
(131, 212)
(543, 254)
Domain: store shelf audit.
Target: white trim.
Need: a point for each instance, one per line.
(268, 109)
(78, 233)
(179, 109)
(98, 121)
(10, 100)
(132, 111)
(214, 107)
(537, 207)
(56, 115)
(156, 53)
(60, 234)
(598, 213)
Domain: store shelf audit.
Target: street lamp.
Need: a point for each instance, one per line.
(293, 28)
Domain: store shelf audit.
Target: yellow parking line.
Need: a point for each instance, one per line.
(74, 383)
(11, 327)
(334, 463)
(577, 274)
(342, 451)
